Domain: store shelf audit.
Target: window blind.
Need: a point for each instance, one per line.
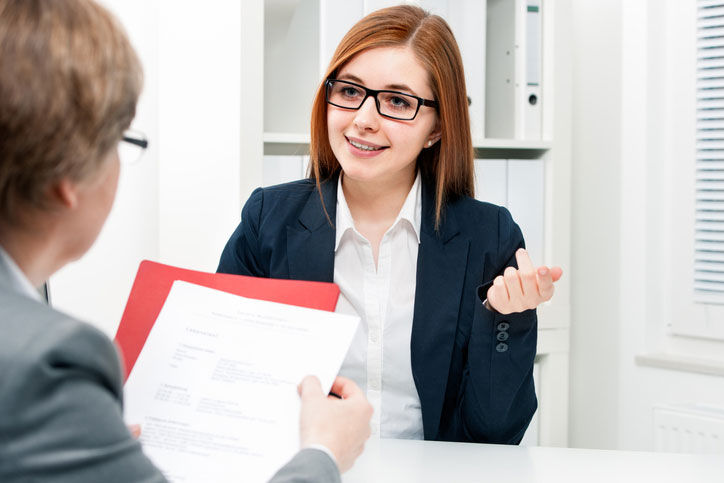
(709, 225)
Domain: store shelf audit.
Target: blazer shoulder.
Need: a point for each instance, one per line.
(286, 198)
(481, 215)
(295, 189)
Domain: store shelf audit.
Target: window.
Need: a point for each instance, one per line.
(709, 204)
(691, 151)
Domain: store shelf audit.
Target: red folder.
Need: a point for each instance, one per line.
(153, 283)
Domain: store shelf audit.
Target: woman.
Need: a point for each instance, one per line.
(388, 214)
(69, 83)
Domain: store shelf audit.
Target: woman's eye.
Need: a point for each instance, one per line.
(399, 102)
(350, 92)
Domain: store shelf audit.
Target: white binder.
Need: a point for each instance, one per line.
(514, 67)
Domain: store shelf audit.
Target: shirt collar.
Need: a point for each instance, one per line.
(411, 211)
(15, 277)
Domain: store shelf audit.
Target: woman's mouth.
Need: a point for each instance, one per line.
(364, 146)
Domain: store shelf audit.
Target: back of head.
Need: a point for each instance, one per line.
(449, 163)
(69, 83)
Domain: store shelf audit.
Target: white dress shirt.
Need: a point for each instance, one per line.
(384, 299)
(18, 280)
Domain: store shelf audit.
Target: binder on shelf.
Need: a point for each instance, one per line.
(153, 283)
(519, 185)
(531, 105)
(513, 91)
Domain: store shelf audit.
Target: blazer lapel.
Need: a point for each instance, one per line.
(441, 265)
(310, 241)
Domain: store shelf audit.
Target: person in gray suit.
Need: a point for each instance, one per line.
(69, 83)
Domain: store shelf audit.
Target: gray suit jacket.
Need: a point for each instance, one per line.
(61, 403)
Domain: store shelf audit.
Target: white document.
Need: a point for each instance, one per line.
(215, 386)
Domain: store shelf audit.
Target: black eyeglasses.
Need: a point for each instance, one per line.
(133, 145)
(391, 104)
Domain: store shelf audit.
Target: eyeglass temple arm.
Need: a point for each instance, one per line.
(138, 142)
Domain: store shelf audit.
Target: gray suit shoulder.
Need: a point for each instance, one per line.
(61, 401)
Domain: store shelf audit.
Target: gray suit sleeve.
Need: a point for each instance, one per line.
(309, 465)
(60, 407)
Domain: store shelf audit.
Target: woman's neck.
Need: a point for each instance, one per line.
(378, 202)
(375, 206)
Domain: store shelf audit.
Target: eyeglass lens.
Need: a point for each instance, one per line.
(392, 104)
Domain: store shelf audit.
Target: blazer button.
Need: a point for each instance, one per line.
(502, 347)
(503, 326)
(502, 336)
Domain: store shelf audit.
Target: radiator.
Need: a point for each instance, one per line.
(689, 428)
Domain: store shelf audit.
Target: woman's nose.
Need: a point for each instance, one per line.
(367, 117)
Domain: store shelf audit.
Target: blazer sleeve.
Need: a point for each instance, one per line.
(309, 465)
(241, 254)
(61, 412)
(497, 398)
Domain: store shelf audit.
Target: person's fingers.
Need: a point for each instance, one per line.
(556, 273)
(498, 295)
(513, 284)
(135, 430)
(526, 272)
(310, 387)
(346, 388)
(545, 283)
(523, 259)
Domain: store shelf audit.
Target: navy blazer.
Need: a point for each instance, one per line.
(473, 368)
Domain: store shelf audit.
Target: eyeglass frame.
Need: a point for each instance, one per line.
(373, 93)
(134, 138)
(140, 142)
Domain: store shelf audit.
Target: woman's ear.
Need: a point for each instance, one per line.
(435, 135)
(64, 193)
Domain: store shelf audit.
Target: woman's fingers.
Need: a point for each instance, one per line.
(527, 275)
(498, 297)
(545, 283)
(523, 288)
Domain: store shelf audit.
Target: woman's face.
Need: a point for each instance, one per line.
(373, 148)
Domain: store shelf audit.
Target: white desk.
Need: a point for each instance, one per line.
(401, 461)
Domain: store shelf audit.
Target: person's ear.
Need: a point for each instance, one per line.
(435, 135)
(65, 193)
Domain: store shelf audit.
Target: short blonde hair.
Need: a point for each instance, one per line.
(69, 83)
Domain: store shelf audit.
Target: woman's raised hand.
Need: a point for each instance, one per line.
(523, 288)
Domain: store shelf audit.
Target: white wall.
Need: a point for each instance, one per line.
(595, 231)
(628, 106)
(95, 288)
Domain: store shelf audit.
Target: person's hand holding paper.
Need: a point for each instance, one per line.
(323, 416)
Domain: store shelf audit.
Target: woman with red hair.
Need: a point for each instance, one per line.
(444, 288)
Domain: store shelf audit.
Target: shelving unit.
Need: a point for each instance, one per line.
(297, 41)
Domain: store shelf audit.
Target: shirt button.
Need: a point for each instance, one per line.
(502, 347)
(502, 336)
(503, 326)
(374, 338)
(374, 385)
